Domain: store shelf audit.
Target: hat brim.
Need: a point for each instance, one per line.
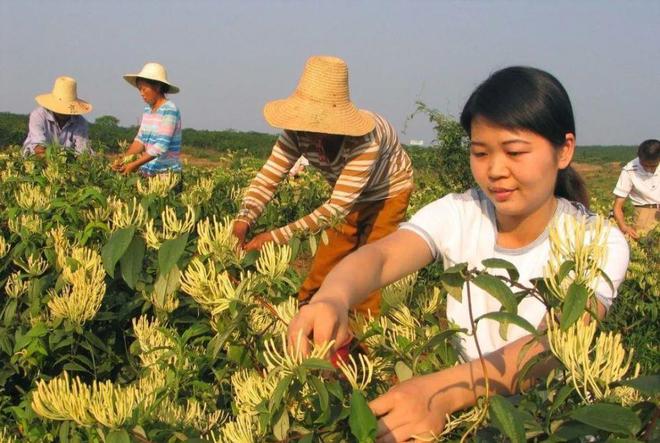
(74, 107)
(297, 114)
(132, 80)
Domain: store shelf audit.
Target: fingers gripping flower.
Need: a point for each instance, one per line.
(286, 359)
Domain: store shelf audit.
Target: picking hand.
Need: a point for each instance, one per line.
(627, 230)
(240, 230)
(128, 168)
(257, 242)
(410, 411)
(324, 320)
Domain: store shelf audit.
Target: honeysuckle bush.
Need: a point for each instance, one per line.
(129, 314)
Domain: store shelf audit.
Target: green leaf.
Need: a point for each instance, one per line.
(498, 263)
(167, 284)
(281, 425)
(507, 317)
(250, 258)
(498, 289)
(574, 304)
(317, 363)
(10, 312)
(118, 436)
(324, 398)
(362, 421)
(170, 252)
(453, 283)
(64, 432)
(279, 392)
(309, 438)
(115, 248)
(131, 262)
(564, 270)
(294, 244)
(608, 417)
(506, 419)
(646, 384)
(403, 371)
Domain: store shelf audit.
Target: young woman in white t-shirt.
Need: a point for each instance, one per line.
(522, 132)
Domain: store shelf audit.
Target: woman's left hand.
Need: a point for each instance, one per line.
(129, 167)
(257, 242)
(410, 411)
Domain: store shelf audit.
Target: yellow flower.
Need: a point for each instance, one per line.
(33, 197)
(261, 317)
(4, 246)
(159, 184)
(584, 243)
(34, 265)
(16, 286)
(30, 222)
(172, 226)
(125, 214)
(592, 367)
(274, 261)
(285, 360)
(5, 437)
(167, 304)
(110, 405)
(154, 344)
(399, 291)
(214, 291)
(358, 379)
(217, 240)
(200, 193)
(242, 430)
(193, 414)
(80, 299)
(60, 399)
(250, 389)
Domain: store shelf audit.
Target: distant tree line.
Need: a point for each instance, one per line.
(105, 132)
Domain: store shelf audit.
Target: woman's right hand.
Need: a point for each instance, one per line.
(322, 321)
(240, 230)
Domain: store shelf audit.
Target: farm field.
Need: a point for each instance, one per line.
(128, 314)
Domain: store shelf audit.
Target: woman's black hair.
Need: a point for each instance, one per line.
(521, 97)
(162, 87)
(649, 150)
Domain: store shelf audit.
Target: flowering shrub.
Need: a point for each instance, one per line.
(128, 314)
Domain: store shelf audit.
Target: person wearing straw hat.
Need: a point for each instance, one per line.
(359, 154)
(158, 141)
(58, 120)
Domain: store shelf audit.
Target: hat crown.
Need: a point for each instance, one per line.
(154, 71)
(65, 89)
(325, 80)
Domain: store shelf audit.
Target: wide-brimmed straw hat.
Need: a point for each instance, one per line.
(152, 71)
(63, 99)
(321, 102)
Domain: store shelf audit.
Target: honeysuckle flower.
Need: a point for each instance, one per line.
(364, 324)
(8, 173)
(80, 299)
(167, 304)
(214, 291)
(358, 378)
(4, 246)
(262, 317)
(172, 226)
(251, 388)
(154, 344)
(63, 399)
(159, 184)
(286, 359)
(53, 174)
(193, 414)
(274, 261)
(125, 214)
(216, 240)
(111, 405)
(200, 193)
(592, 367)
(33, 197)
(98, 214)
(581, 241)
(5, 437)
(30, 222)
(241, 430)
(16, 286)
(28, 166)
(430, 302)
(34, 265)
(398, 292)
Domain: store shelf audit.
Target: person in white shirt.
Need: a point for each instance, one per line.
(640, 181)
(521, 125)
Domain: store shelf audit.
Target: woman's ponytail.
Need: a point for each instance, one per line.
(571, 186)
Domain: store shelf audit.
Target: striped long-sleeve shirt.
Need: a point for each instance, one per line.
(160, 133)
(368, 168)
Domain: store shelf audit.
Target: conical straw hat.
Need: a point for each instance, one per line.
(321, 102)
(63, 99)
(152, 71)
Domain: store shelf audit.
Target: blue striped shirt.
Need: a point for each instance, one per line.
(160, 133)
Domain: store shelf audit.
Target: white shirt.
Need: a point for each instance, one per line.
(461, 228)
(641, 186)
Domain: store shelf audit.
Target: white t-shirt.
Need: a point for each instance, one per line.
(461, 228)
(641, 186)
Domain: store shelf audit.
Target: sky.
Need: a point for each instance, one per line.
(231, 57)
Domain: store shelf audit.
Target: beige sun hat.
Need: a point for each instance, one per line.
(63, 99)
(152, 71)
(321, 102)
